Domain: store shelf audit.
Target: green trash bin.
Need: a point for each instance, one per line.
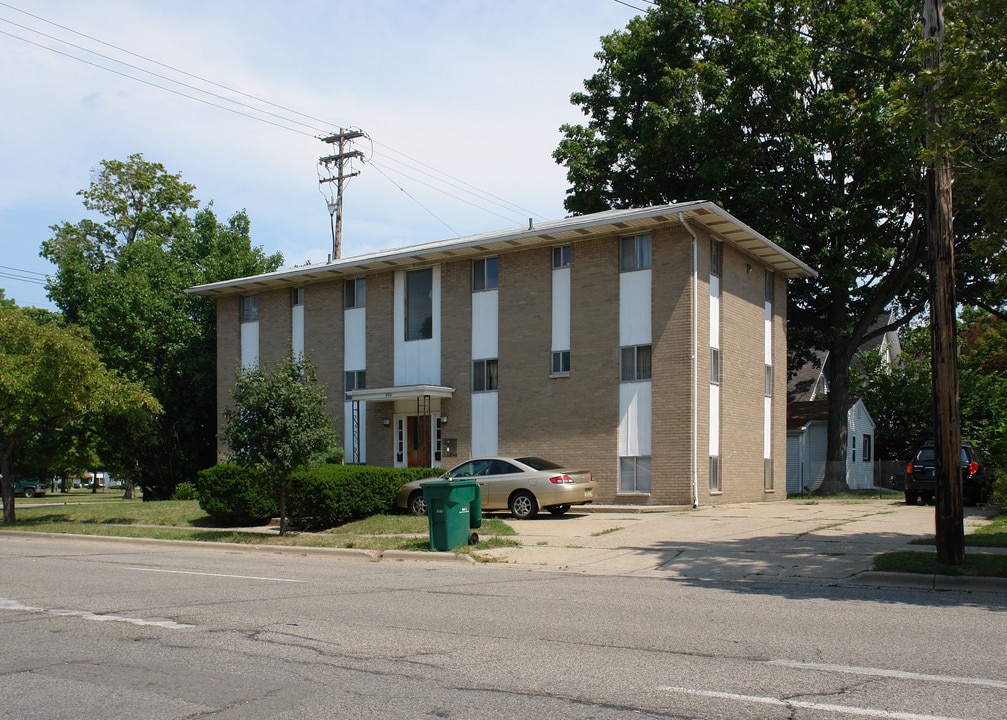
(454, 510)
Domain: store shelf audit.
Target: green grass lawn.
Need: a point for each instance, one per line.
(977, 563)
(184, 520)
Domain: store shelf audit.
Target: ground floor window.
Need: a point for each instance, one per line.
(714, 474)
(634, 475)
(767, 473)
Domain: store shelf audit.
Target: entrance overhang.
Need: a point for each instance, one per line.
(400, 392)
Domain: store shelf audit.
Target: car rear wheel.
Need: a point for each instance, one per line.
(523, 505)
(911, 497)
(417, 505)
(558, 510)
(29, 492)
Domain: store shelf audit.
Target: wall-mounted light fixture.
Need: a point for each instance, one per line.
(386, 422)
(444, 419)
(748, 267)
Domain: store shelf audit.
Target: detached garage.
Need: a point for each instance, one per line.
(807, 442)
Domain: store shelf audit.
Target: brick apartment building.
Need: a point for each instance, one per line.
(645, 345)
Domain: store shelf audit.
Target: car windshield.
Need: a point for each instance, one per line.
(926, 455)
(536, 463)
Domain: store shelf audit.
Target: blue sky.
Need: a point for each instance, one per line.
(462, 101)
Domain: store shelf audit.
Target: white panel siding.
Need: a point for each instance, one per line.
(485, 324)
(767, 435)
(634, 419)
(249, 345)
(714, 420)
(714, 311)
(484, 423)
(769, 333)
(561, 309)
(634, 308)
(355, 339)
(297, 330)
(418, 361)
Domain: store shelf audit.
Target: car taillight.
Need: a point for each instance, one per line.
(559, 479)
(909, 468)
(973, 468)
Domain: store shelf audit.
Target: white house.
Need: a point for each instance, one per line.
(807, 426)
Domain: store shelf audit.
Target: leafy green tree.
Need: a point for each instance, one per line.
(785, 113)
(123, 278)
(278, 423)
(51, 379)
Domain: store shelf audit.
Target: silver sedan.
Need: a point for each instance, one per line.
(521, 485)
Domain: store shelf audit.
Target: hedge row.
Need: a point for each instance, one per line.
(320, 497)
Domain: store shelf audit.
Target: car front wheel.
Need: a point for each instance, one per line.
(417, 505)
(523, 505)
(29, 492)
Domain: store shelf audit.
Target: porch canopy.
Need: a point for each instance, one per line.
(400, 392)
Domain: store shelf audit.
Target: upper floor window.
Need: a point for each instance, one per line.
(716, 258)
(296, 296)
(561, 362)
(485, 274)
(769, 381)
(420, 304)
(354, 293)
(634, 363)
(249, 305)
(355, 380)
(770, 286)
(634, 253)
(484, 375)
(560, 257)
(715, 366)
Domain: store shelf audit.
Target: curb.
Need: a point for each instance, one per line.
(943, 583)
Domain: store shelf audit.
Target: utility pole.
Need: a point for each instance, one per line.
(339, 160)
(949, 516)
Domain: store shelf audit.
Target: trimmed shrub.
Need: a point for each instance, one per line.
(184, 491)
(327, 496)
(232, 495)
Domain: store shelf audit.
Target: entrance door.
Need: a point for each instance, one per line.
(418, 441)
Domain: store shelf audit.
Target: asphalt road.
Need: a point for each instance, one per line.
(112, 630)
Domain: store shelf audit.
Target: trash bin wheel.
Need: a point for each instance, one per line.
(473, 538)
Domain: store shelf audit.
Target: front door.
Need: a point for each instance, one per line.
(418, 441)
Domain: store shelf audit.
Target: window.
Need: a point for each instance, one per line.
(634, 253)
(714, 473)
(867, 448)
(249, 308)
(634, 474)
(716, 259)
(715, 366)
(485, 274)
(296, 297)
(769, 381)
(767, 473)
(355, 380)
(561, 362)
(560, 257)
(354, 293)
(854, 457)
(635, 363)
(484, 375)
(770, 286)
(420, 304)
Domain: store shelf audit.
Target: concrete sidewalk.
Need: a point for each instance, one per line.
(821, 541)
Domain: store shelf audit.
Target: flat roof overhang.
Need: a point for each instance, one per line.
(701, 214)
(400, 392)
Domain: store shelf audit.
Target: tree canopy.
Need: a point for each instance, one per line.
(122, 276)
(51, 382)
(278, 423)
(798, 117)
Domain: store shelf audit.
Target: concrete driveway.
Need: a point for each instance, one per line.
(812, 541)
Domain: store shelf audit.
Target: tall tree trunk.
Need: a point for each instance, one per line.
(7, 485)
(837, 371)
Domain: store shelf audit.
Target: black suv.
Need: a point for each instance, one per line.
(921, 484)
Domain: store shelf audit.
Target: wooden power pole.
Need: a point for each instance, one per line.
(338, 160)
(949, 518)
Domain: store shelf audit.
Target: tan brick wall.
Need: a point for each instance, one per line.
(380, 365)
(323, 344)
(743, 386)
(275, 327)
(456, 357)
(571, 420)
(671, 336)
(228, 359)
